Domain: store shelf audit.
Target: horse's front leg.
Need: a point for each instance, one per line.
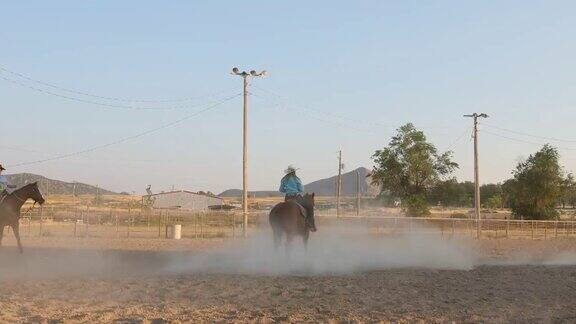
(305, 237)
(1, 233)
(16, 230)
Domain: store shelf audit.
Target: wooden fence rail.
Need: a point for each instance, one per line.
(131, 223)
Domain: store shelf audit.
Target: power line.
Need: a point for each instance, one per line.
(277, 104)
(457, 140)
(524, 141)
(333, 115)
(88, 94)
(26, 150)
(125, 139)
(286, 99)
(106, 105)
(529, 135)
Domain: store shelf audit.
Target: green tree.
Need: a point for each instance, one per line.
(451, 193)
(408, 167)
(494, 202)
(568, 191)
(536, 186)
(489, 191)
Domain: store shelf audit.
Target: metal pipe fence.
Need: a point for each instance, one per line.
(490, 228)
(140, 223)
(127, 223)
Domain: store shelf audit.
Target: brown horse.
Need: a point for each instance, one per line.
(10, 208)
(292, 218)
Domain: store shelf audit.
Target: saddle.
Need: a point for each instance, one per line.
(303, 210)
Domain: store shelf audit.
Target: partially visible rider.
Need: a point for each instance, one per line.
(5, 186)
(290, 185)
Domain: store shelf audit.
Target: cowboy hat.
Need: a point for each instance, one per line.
(290, 169)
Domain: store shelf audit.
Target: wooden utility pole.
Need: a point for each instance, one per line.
(245, 75)
(75, 201)
(476, 173)
(358, 192)
(339, 184)
(245, 158)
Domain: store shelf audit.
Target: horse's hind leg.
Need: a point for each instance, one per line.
(16, 230)
(289, 240)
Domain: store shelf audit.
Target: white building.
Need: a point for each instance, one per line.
(185, 200)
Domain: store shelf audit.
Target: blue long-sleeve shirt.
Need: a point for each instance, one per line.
(291, 185)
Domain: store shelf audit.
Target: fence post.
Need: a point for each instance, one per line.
(166, 221)
(532, 225)
(496, 226)
(233, 225)
(507, 226)
(117, 224)
(148, 218)
(201, 225)
(129, 221)
(41, 221)
(87, 221)
(556, 229)
(159, 223)
(442, 228)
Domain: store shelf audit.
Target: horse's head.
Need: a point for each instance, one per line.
(35, 193)
(309, 201)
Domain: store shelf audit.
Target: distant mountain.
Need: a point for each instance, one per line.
(322, 187)
(327, 187)
(50, 186)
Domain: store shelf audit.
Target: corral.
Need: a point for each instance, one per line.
(115, 265)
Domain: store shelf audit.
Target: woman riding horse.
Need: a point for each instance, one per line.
(5, 186)
(294, 216)
(290, 185)
(12, 204)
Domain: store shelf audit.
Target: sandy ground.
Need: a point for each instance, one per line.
(132, 281)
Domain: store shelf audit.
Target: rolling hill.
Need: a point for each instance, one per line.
(50, 186)
(327, 186)
(322, 187)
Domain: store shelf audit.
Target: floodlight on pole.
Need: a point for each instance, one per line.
(245, 75)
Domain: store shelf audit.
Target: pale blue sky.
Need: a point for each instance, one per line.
(347, 74)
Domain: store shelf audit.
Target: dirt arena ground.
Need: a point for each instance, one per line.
(135, 281)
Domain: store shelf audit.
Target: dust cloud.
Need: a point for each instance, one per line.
(331, 253)
(335, 250)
